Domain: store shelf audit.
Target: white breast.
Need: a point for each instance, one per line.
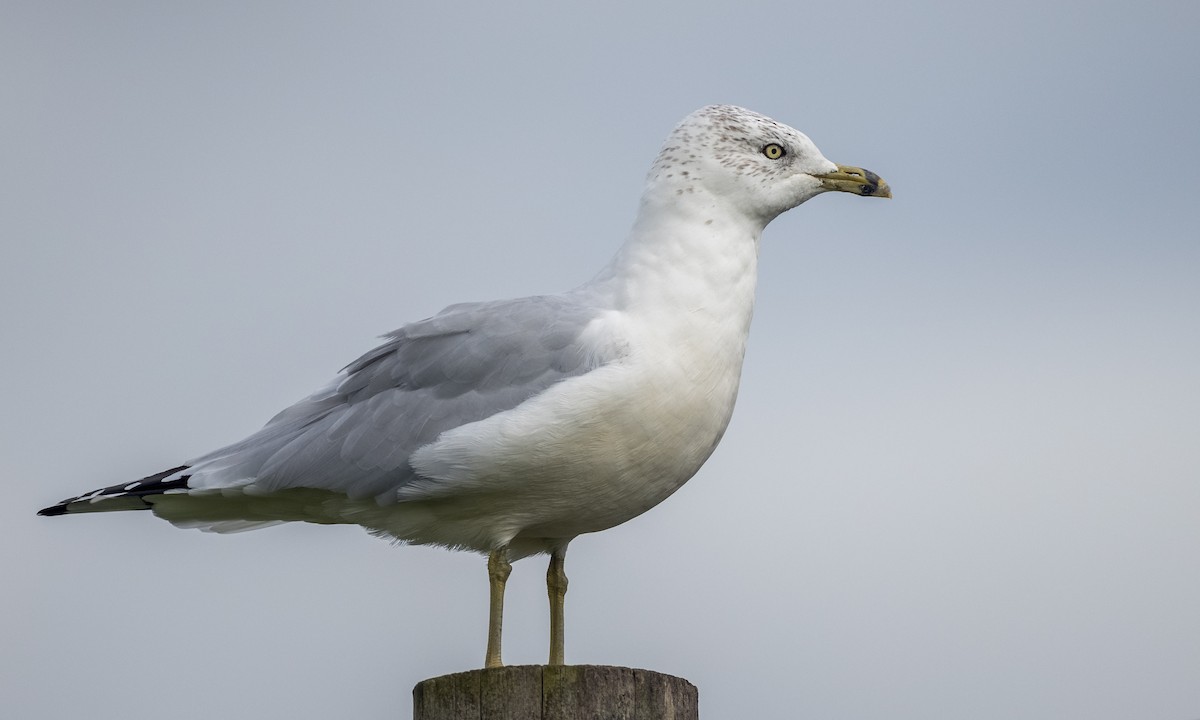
(599, 449)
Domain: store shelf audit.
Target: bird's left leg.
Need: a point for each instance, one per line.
(556, 587)
(498, 571)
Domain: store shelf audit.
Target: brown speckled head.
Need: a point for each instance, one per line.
(763, 166)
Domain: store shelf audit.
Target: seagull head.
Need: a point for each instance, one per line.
(760, 166)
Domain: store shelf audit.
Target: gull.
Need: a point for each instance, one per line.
(511, 427)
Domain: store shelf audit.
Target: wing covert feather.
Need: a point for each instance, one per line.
(465, 364)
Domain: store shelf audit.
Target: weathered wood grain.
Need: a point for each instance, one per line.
(567, 692)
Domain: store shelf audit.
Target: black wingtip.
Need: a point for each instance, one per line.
(125, 496)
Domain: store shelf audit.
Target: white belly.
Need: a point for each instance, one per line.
(588, 454)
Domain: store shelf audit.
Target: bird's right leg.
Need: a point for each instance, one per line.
(498, 571)
(556, 586)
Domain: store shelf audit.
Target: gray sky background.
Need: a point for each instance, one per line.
(963, 477)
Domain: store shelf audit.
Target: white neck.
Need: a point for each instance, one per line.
(688, 270)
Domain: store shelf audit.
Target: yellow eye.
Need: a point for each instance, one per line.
(774, 151)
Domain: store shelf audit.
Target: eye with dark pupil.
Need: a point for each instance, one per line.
(773, 151)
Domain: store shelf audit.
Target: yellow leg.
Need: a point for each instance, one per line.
(556, 587)
(498, 571)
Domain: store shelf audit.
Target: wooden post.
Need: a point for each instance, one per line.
(556, 692)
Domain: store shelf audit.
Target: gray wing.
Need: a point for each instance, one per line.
(465, 364)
